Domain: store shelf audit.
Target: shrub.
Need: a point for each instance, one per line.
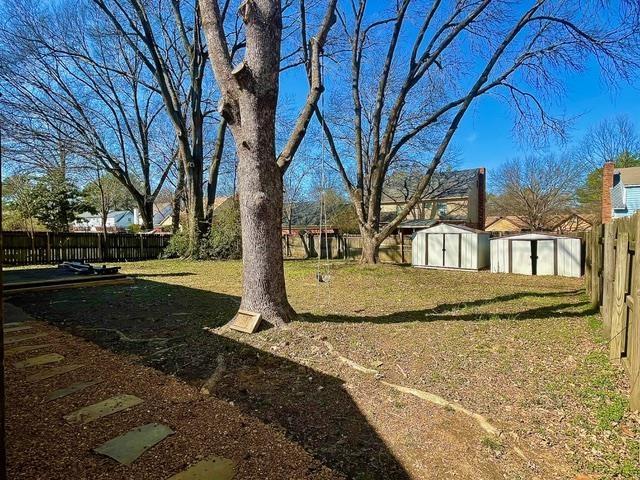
(178, 245)
(222, 242)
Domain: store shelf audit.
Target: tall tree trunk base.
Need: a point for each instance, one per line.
(275, 314)
(370, 251)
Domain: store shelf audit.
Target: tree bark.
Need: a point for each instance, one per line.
(177, 199)
(212, 182)
(370, 248)
(195, 207)
(249, 99)
(260, 192)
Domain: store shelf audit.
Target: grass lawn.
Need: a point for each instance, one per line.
(523, 352)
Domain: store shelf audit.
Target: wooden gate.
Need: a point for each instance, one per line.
(612, 276)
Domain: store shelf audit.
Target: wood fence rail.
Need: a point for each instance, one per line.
(612, 276)
(21, 248)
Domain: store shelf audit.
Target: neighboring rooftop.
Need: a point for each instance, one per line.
(400, 186)
(629, 176)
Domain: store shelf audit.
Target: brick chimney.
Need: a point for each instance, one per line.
(482, 197)
(607, 185)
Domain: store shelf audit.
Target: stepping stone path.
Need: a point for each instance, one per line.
(127, 448)
(39, 360)
(18, 328)
(12, 324)
(71, 389)
(26, 348)
(52, 372)
(16, 339)
(212, 468)
(102, 409)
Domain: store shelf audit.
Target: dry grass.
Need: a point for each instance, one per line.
(525, 352)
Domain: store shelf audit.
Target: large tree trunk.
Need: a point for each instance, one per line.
(249, 96)
(195, 207)
(214, 168)
(177, 199)
(370, 247)
(260, 190)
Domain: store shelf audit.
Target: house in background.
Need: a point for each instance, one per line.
(570, 223)
(163, 214)
(457, 197)
(620, 191)
(117, 221)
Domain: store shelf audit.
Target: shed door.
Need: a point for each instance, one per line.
(521, 256)
(435, 250)
(452, 250)
(546, 258)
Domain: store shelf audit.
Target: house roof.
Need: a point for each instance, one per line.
(556, 222)
(421, 223)
(305, 214)
(400, 186)
(629, 176)
(117, 215)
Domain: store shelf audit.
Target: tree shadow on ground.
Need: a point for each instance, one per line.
(312, 408)
(464, 311)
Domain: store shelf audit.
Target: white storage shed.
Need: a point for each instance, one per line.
(537, 254)
(450, 246)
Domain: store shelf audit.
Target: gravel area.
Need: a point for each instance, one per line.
(41, 445)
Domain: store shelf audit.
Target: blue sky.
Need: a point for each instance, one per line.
(485, 137)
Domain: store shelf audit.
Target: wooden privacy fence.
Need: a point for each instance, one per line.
(21, 248)
(395, 248)
(612, 275)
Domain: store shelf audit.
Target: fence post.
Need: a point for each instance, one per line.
(48, 247)
(633, 325)
(588, 265)
(608, 275)
(619, 311)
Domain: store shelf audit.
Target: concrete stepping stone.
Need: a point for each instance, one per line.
(20, 338)
(211, 468)
(102, 409)
(126, 448)
(26, 348)
(71, 389)
(17, 328)
(13, 324)
(39, 360)
(52, 372)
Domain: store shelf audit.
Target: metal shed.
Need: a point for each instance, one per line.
(450, 246)
(537, 254)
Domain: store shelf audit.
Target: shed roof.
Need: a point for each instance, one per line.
(447, 227)
(534, 236)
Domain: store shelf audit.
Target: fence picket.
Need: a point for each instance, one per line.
(19, 248)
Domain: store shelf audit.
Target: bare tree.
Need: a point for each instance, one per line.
(536, 189)
(412, 82)
(172, 48)
(608, 140)
(74, 86)
(249, 99)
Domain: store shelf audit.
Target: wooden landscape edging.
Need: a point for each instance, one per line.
(612, 279)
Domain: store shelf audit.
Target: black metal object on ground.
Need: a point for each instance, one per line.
(88, 269)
